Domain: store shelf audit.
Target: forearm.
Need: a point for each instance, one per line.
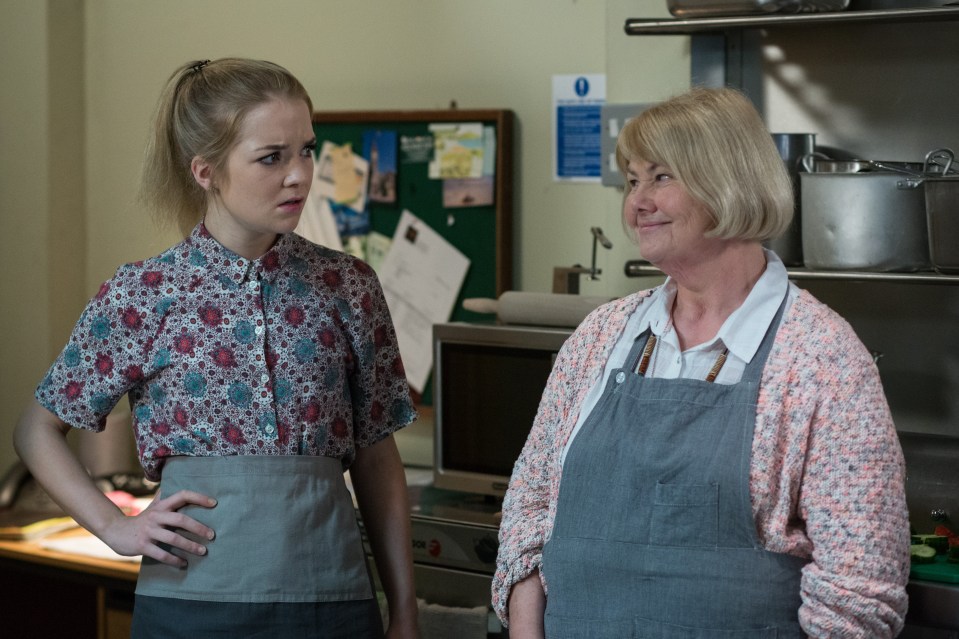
(40, 441)
(527, 605)
(380, 483)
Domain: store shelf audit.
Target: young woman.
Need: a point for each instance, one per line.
(259, 367)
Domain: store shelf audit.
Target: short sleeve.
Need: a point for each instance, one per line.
(107, 354)
(380, 392)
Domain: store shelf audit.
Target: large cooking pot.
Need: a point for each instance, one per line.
(872, 221)
(871, 218)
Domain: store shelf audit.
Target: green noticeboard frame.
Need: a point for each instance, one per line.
(484, 234)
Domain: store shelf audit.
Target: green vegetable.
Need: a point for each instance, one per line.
(939, 542)
(922, 554)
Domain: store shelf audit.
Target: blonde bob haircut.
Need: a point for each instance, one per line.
(715, 143)
(199, 114)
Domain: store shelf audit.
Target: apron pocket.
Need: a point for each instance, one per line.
(685, 515)
(560, 627)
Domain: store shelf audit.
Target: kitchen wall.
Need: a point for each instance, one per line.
(42, 196)
(81, 78)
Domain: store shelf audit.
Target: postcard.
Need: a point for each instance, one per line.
(458, 150)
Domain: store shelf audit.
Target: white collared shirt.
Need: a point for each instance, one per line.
(741, 333)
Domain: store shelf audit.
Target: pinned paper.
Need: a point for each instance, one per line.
(379, 148)
(421, 277)
(458, 150)
(342, 178)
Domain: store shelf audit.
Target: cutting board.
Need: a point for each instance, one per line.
(940, 570)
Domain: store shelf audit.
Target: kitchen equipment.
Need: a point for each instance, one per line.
(942, 218)
(793, 147)
(706, 8)
(821, 163)
(938, 162)
(871, 216)
(870, 221)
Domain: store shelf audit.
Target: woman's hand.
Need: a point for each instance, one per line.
(159, 527)
(40, 440)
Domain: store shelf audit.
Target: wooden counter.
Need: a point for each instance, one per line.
(54, 594)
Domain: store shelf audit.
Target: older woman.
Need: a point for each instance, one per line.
(713, 457)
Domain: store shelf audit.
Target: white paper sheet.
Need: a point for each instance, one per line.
(421, 276)
(317, 223)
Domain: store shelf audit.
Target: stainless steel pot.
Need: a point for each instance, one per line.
(793, 149)
(872, 221)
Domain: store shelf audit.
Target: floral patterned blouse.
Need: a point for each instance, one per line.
(293, 353)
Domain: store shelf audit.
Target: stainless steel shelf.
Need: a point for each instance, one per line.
(635, 268)
(689, 26)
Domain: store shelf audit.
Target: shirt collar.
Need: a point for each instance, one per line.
(207, 252)
(744, 329)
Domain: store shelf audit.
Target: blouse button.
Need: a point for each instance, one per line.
(265, 377)
(270, 428)
(254, 285)
(620, 377)
(258, 330)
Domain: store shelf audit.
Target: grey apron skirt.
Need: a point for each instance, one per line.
(654, 534)
(287, 560)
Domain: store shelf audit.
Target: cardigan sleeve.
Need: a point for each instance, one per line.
(841, 477)
(527, 516)
(529, 505)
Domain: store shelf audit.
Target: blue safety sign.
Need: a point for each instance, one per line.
(577, 105)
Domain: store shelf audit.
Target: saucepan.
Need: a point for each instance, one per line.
(871, 216)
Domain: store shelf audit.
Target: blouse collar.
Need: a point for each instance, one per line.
(743, 330)
(207, 252)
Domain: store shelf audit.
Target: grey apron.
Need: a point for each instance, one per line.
(287, 539)
(654, 534)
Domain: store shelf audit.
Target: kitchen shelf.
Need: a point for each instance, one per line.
(636, 268)
(690, 26)
(726, 50)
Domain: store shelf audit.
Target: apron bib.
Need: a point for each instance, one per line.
(285, 527)
(654, 534)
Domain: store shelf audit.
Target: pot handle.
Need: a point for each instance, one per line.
(896, 169)
(936, 157)
(808, 160)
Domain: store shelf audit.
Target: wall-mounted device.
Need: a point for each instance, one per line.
(566, 278)
(614, 117)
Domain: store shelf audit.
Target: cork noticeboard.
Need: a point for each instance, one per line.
(482, 233)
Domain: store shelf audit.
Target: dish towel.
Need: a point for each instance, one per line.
(445, 622)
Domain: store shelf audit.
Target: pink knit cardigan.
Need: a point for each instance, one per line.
(826, 478)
